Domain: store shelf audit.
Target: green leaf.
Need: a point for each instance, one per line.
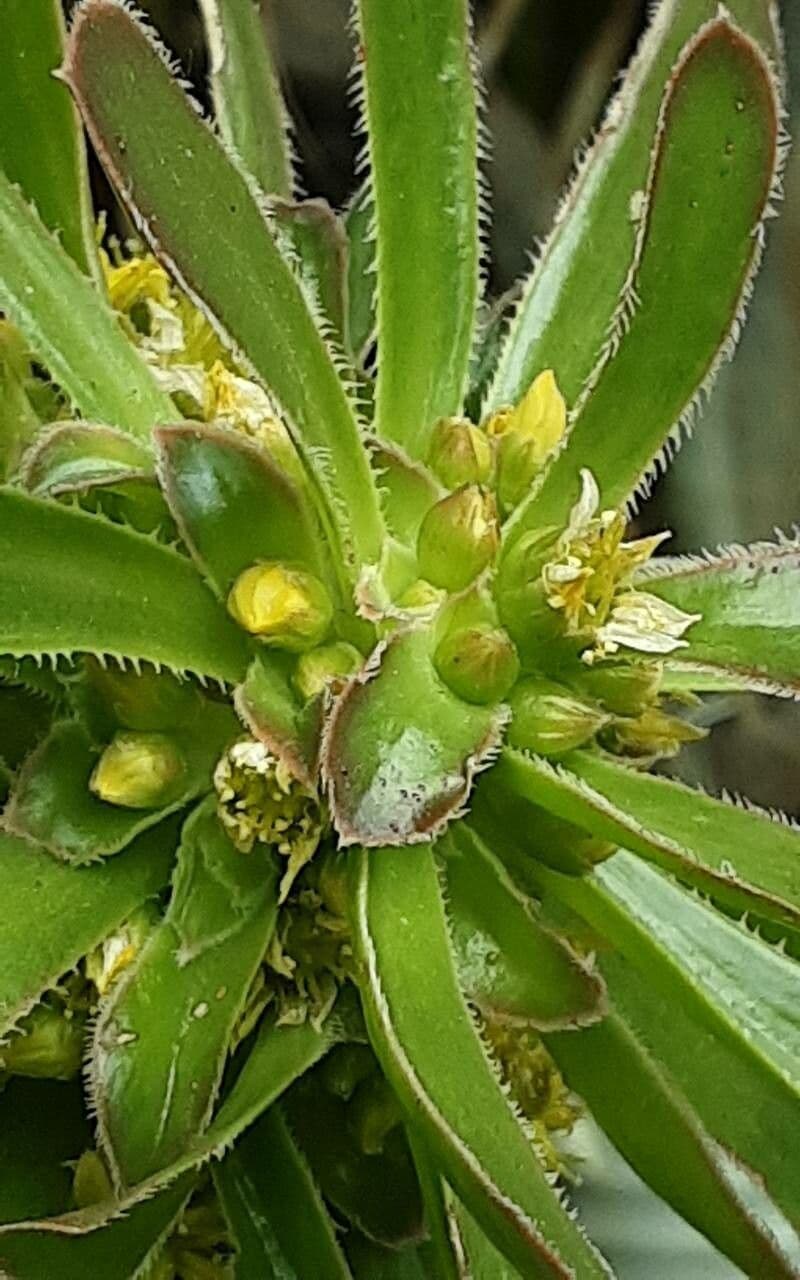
(19, 422)
(70, 457)
(413, 1006)
(571, 297)
(57, 914)
(41, 144)
(715, 162)
(70, 327)
(717, 1007)
(234, 505)
(358, 1153)
(359, 221)
(443, 1250)
(162, 1037)
(407, 489)
(658, 1131)
(508, 963)
(740, 856)
(72, 582)
(248, 105)
(749, 598)
(315, 239)
(274, 1209)
(401, 750)
(217, 246)
(267, 704)
(279, 1056)
(116, 1253)
(425, 191)
(51, 802)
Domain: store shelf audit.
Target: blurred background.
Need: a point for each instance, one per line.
(548, 70)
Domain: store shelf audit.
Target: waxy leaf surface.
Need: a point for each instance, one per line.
(508, 963)
(248, 106)
(277, 1216)
(41, 144)
(740, 856)
(716, 158)
(401, 749)
(413, 1006)
(75, 583)
(163, 1035)
(67, 323)
(56, 914)
(749, 598)
(204, 219)
(425, 192)
(572, 294)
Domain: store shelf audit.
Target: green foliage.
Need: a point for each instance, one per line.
(329, 702)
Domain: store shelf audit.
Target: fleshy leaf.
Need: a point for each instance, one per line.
(162, 1037)
(70, 457)
(400, 749)
(274, 1209)
(57, 914)
(740, 856)
(51, 802)
(716, 159)
(571, 297)
(508, 963)
(408, 490)
(234, 505)
(279, 1056)
(41, 144)
(270, 708)
(66, 322)
(424, 187)
(208, 226)
(314, 237)
(44, 1131)
(749, 598)
(133, 599)
(652, 1123)
(413, 1006)
(248, 105)
(716, 1006)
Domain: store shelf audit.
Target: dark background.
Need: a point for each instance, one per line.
(548, 69)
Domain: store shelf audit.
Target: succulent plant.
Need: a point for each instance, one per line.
(332, 673)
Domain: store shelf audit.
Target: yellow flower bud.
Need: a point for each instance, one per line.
(549, 719)
(527, 436)
(91, 1183)
(319, 667)
(283, 605)
(479, 663)
(138, 770)
(458, 538)
(460, 453)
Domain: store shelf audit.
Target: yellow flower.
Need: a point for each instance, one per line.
(589, 580)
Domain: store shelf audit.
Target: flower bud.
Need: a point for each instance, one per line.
(549, 719)
(420, 595)
(319, 667)
(49, 1045)
(91, 1183)
(458, 538)
(654, 735)
(460, 453)
(285, 606)
(623, 687)
(137, 770)
(527, 436)
(478, 664)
